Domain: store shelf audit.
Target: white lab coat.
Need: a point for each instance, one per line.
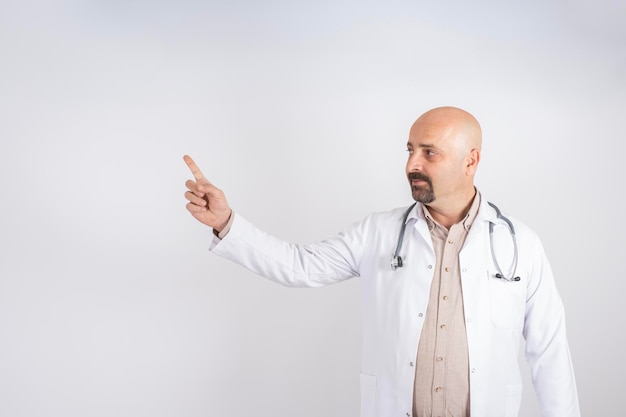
(497, 312)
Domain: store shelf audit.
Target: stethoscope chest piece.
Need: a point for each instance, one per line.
(396, 262)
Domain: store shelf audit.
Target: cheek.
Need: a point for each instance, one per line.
(444, 179)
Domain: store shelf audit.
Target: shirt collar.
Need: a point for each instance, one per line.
(420, 211)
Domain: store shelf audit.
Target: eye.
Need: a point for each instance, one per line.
(410, 151)
(430, 152)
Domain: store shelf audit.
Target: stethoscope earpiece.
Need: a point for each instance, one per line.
(500, 276)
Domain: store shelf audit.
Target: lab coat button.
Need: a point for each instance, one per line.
(464, 269)
(469, 319)
(430, 267)
(411, 364)
(473, 370)
(421, 314)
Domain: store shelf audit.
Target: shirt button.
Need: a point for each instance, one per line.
(442, 327)
(445, 298)
(438, 389)
(447, 269)
(440, 358)
(450, 241)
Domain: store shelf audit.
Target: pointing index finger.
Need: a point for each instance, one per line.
(197, 174)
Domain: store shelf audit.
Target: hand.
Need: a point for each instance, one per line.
(207, 203)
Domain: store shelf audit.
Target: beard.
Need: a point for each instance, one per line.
(423, 194)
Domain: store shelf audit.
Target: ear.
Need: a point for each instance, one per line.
(473, 158)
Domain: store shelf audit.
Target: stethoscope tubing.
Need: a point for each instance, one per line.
(396, 260)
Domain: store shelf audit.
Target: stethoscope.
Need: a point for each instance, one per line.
(396, 261)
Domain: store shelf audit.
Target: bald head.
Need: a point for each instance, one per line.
(457, 125)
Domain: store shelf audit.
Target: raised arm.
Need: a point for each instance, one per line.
(207, 203)
(314, 265)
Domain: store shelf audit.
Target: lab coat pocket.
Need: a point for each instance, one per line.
(368, 395)
(513, 400)
(507, 302)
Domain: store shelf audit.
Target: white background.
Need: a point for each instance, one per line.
(111, 305)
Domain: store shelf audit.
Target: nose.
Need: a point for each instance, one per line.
(414, 163)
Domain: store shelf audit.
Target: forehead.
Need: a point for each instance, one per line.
(439, 135)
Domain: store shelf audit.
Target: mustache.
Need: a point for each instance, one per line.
(418, 176)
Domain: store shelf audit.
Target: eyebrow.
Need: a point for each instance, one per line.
(422, 145)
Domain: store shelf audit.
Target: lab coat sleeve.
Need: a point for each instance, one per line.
(547, 350)
(293, 265)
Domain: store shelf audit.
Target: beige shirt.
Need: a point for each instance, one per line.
(442, 365)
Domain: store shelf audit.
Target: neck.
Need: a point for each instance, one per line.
(452, 210)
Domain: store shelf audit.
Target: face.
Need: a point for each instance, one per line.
(435, 167)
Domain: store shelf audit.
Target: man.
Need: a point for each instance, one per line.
(443, 321)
